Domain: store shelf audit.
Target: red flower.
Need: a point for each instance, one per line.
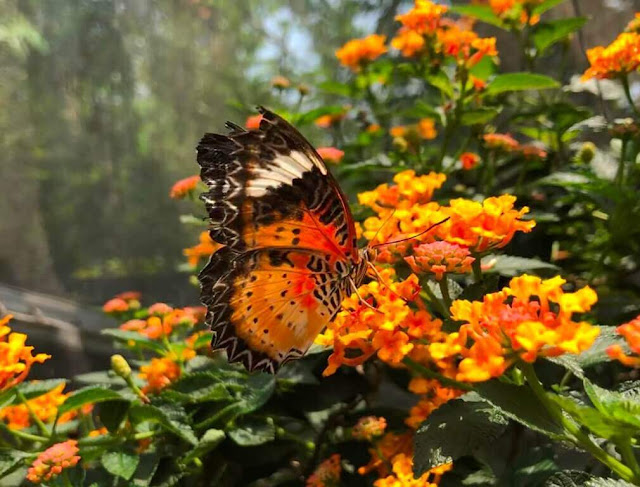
(331, 154)
(184, 187)
(253, 122)
(469, 160)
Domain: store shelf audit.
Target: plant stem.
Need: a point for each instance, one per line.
(629, 457)
(41, 426)
(25, 436)
(627, 92)
(424, 371)
(444, 289)
(575, 433)
(620, 173)
(444, 311)
(476, 266)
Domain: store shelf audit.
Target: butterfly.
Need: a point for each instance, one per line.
(289, 254)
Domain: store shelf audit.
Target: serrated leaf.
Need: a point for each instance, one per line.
(569, 362)
(591, 418)
(146, 468)
(602, 482)
(168, 418)
(520, 404)
(10, 459)
(478, 115)
(120, 463)
(596, 354)
(135, 338)
(508, 265)
(112, 413)
(520, 82)
(197, 387)
(89, 395)
(456, 429)
(100, 377)
(614, 404)
(481, 12)
(546, 5)
(548, 33)
(210, 440)
(252, 431)
(568, 478)
(441, 81)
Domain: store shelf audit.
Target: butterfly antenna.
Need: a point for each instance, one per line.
(381, 280)
(360, 298)
(415, 236)
(386, 220)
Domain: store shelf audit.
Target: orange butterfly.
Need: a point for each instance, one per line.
(289, 255)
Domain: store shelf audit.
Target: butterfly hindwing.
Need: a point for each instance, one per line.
(267, 306)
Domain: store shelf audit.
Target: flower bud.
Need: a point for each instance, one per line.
(303, 89)
(586, 152)
(400, 143)
(120, 366)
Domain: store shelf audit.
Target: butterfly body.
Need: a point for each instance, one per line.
(289, 255)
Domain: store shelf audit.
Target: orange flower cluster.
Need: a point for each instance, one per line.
(368, 428)
(45, 408)
(433, 395)
(392, 459)
(202, 250)
(403, 476)
(378, 321)
(631, 332)
(159, 373)
(469, 160)
(408, 191)
(514, 11)
(530, 318)
(439, 258)
(425, 32)
(410, 136)
(618, 59)
(122, 303)
(51, 462)
(163, 319)
(16, 358)
(330, 154)
(405, 210)
(327, 474)
(329, 120)
(355, 53)
(184, 187)
(500, 142)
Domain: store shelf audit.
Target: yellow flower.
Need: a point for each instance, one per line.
(45, 408)
(618, 59)
(202, 250)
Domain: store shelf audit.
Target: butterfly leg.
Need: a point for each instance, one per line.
(382, 281)
(362, 300)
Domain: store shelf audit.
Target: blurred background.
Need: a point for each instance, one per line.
(102, 105)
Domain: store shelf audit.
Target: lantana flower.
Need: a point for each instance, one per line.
(355, 53)
(327, 474)
(631, 333)
(184, 187)
(51, 462)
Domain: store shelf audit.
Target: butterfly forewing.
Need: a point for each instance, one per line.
(289, 243)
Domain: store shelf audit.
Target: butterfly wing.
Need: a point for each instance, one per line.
(270, 188)
(289, 243)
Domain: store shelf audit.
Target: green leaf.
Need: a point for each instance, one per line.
(569, 362)
(519, 82)
(203, 340)
(146, 469)
(252, 431)
(120, 463)
(508, 265)
(170, 418)
(478, 115)
(548, 33)
(210, 440)
(89, 395)
(520, 404)
(134, 337)
(568, 478)
(458, 428)
(112, 413)
(593, 419)
(602, 482)
(547, 5)
(335, 88)
(100, 377)
(441, 81)
(38, 388)
(480, 12)
(11, 459)
(618, 406)
(197, 387)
